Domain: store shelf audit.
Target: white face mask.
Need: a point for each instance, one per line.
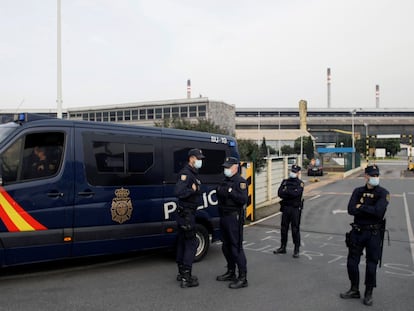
(198, 164)
(293, 175)
(373, 181)
(227, 172)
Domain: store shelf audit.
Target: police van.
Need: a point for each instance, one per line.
(76, 188)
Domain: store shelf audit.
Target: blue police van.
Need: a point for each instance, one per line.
(76, 188)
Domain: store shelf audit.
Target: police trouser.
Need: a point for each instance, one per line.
(231, 227)
(290, 216)
(186, 238)
(371, 241)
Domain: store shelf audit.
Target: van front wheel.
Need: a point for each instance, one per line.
(203, 240)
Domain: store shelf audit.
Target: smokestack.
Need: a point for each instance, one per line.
(303, 111)
(377, 96)
(188, 88)
(328, 77)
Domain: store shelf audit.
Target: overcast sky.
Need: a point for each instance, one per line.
(259, 53)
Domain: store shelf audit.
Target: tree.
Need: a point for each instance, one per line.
(263, 149)
(249, 151)
(308, 148)
(287, 150)
(201, 125)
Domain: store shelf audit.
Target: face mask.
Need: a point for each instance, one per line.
(227, 172)
(293, 175)
(373, 181)
(198, 164)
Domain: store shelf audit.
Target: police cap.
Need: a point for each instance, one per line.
(372, 170)
(197, 153)
(295, 168)
(230, 161)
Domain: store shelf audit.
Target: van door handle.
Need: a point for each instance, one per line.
(86, 193)
(55, 194)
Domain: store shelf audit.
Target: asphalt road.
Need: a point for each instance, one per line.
(146, 281)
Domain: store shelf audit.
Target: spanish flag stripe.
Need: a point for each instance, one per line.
(20, 218)
(6, 219)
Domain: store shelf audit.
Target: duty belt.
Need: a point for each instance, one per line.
(366, 227)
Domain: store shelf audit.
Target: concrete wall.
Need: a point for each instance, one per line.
(267, 182)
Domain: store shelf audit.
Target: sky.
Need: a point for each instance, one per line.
(251, 54)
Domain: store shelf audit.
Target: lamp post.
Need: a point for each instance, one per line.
(353, 112)
(366, 142)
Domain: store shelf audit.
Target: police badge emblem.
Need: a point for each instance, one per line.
(121, 208)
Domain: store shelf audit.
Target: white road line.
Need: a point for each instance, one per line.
(314, 197)
(409, 226)
(263, 219)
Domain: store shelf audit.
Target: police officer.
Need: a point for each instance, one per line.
(368, 205)
(232, 197)
(188, 192)
(291, 193)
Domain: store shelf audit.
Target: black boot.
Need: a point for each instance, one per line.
(296, 252)
(188, 280)
(230, 275)
(352, 293)
(280, 250)
(180, 274)
(240, 282)
(368, 296)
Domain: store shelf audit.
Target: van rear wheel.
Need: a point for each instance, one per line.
(203, 240)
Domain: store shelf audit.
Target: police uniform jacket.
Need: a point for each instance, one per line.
(291, 192)
(187, 197)
(373, 202)
(232, 194)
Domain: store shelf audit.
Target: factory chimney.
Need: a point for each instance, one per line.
(188, 88)
(328, 77)
(377, 96)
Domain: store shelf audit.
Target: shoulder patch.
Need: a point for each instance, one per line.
(302, 184)
(243, 185)
(388, 197)
(183, 177)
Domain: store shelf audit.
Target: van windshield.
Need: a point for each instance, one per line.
(6, 129)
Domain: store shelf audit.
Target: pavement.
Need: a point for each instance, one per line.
(311, 184)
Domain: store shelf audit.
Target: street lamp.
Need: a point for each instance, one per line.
(353, 112)
(366, 142)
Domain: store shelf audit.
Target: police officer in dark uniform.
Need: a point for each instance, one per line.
(188, 192)
(368, 205)
(232, 197)
(291, 193)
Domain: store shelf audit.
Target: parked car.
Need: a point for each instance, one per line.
(315, 168)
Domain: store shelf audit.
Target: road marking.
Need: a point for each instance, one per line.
(339, 211)
(263, 219)
(314, 197)
(409, 226)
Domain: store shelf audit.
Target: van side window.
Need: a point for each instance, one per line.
(123, 161)
(34, 156)
(212, 164)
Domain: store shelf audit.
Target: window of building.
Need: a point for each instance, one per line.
(184, 112)
(112, 116)
(150, 114)
(127, 114)
(120, 115)
(167, 112)
(158, 113)
(202, 111)
(105, 116)
(175, 112)
(193, 111)
(99, 116)
(135, 114)
(85, 116)
(142, 114)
